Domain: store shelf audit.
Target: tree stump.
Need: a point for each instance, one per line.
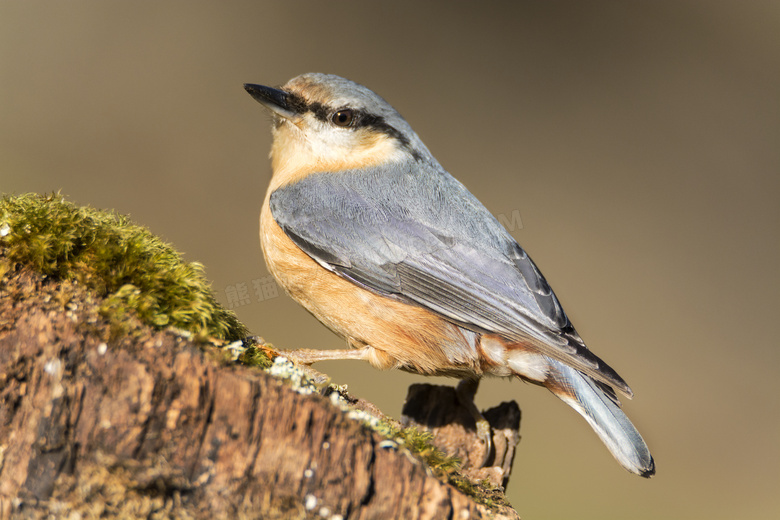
(437, 409)
(144, 423)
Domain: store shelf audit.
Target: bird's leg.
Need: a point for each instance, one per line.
(308, 356)
(466, 390)
(305, 357)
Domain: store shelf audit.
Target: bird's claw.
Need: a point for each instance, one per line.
(485, 434)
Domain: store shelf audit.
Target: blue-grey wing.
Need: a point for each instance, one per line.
(418, 235)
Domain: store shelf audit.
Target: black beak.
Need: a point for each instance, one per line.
(275, 100)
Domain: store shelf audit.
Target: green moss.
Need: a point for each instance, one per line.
(443, 466)
(448, 468)
(256, 356)
(124, 263)
(419, 442)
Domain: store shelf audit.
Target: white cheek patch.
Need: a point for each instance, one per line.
(330, 143)
(312, 145)
(528, 364)
(361, 147)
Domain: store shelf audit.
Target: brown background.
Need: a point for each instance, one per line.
(637, 143)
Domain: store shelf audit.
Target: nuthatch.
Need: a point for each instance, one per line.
(366, 230)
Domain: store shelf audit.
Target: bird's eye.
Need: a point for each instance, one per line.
(343, 117)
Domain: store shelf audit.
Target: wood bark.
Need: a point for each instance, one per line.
(146, 423)
(436, 409)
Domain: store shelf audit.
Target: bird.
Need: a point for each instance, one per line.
(365, 229)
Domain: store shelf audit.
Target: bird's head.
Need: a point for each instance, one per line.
(324, 122)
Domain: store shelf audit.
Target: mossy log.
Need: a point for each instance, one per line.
(150, 425)
(106, 415)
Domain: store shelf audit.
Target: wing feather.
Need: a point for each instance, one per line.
(418, 235)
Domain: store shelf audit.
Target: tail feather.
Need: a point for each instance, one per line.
(603, 413)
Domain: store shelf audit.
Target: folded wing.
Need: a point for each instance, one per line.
(418, 235)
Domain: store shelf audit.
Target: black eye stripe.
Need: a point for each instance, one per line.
(296, 103)
(319, 110)
(360, 119)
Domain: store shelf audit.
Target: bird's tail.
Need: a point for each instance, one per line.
(599, 406)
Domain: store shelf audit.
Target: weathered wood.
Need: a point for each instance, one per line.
(438, 410)
(142, 423)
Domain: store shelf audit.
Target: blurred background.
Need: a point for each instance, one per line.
(633, 149)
